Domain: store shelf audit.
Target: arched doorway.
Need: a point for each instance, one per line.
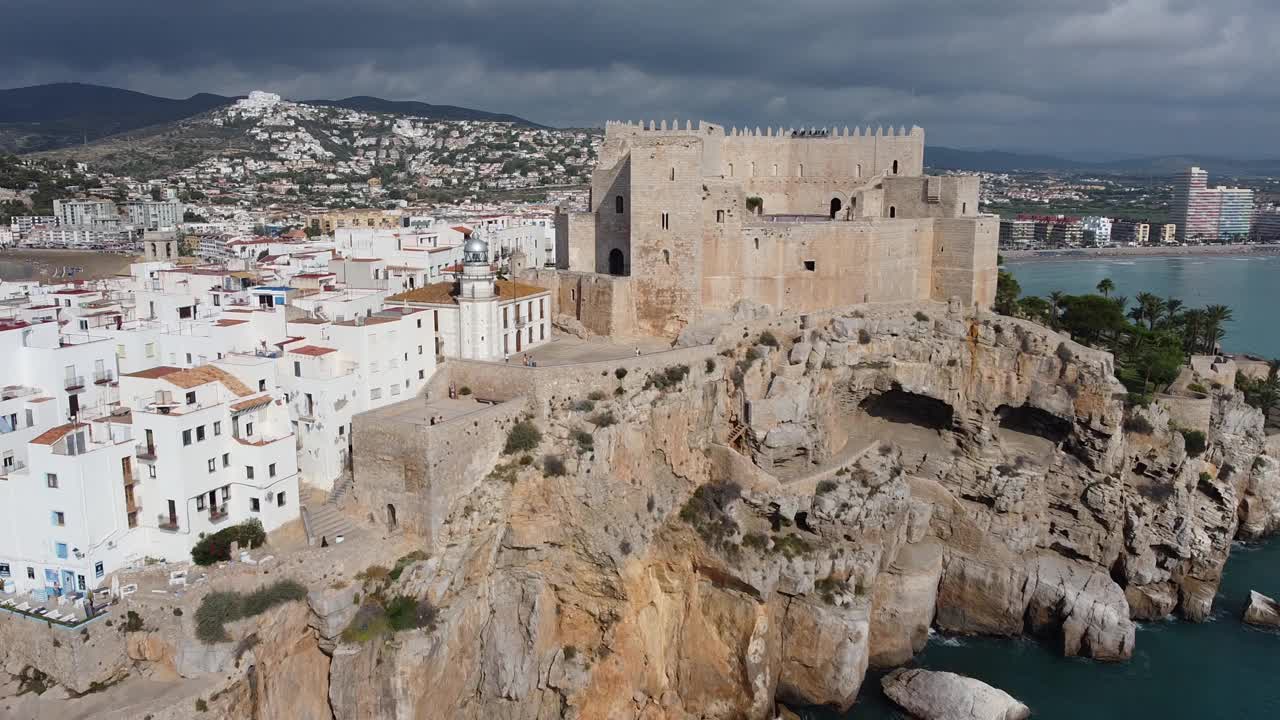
(835, 207)
(616, 262)
(893, 211)
(391, 516)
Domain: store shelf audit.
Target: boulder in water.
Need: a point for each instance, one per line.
(933, 695)
(1262, 611)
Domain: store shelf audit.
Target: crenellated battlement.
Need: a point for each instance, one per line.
(703, 128)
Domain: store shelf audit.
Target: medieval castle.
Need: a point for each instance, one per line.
(684, 220)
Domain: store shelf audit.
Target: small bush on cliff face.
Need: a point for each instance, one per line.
(584, 406)
(755, 541)
(133, 622)
(711, 365)
(1138, 424)
(668, 378)
(219, 608)
(376, 618)
(553, 466)
(586, 443)
(826, 486)
(1198, 388)
(921, 317)
(404, 562)
(620, 373)
(767, 338)
(707, 511)
(524, 436)
(596, 395)
(829, 587)
(1137, 400)
(604, 419)
(791, 546)
(1195, 442)
(201, 705)
(864, 337)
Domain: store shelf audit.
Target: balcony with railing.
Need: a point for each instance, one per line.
(168, 523)
(132, 506)
(218, 514)
(145, 452)
(73, 383)
(104, 377)
(14, 467)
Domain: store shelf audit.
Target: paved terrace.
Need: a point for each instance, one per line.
(570, 350)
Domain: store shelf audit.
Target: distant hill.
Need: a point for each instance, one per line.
(944, 158)
(47, 117)
(364, 103)
(61, 115)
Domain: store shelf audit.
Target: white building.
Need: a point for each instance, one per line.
(479, 317)
(1100, 227)
(85, 212)
(333, 370)
(154, 214)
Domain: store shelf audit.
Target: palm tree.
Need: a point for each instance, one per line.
(1056, 299)
(1150, 308)
(1215, 316)
(1121, 301)
(1105, 286)
(1193, 323)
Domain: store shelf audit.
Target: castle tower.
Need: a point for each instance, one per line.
(479, 333)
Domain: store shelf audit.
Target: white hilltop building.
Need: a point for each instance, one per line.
(258, 101)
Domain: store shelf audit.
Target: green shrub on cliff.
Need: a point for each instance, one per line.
(219, 608)
(524, 436)
(1195, 442)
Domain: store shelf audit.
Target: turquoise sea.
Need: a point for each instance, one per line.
(1249, 285)
(1218, 669)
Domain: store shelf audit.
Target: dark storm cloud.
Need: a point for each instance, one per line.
(1139, 75)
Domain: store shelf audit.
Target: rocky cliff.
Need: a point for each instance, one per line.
(804, 503)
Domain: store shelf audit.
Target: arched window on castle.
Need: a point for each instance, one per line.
(964, 208)
(859, 170)
(666, 256)
(895, 167)
(800, 170)
(673, 174)
(893, 211)
(757, 243)
(617, 204)
(730, 169)
(719, 216)
(775, 170)
(666, 221)
(753, 169)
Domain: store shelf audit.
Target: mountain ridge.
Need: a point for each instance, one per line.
(53, 116)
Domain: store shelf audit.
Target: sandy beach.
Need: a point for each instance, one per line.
(45, 264)
(1147, 251)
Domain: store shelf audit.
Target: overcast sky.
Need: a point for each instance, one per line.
(1139, 76)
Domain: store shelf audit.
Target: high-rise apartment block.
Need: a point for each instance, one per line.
(1206, 214)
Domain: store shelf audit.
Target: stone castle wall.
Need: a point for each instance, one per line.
(669, 206)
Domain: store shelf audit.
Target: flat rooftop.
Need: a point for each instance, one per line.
(417, 411)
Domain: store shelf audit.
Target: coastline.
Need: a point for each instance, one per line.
(1246, 249)
(41, 264)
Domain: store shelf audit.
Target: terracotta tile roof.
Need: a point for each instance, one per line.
(154, 373)
(312, 350)
(462, 229)
(230, 323)
(40, 400)
(308, 321)
(251, 403)
(444, 293)
(194, 377)
(53, 435)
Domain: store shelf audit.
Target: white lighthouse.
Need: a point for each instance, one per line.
(481, 336)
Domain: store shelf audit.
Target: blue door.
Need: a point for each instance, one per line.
(68, 582)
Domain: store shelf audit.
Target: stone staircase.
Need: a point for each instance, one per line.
(324, 521)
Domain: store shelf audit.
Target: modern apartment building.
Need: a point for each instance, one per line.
(85, 212)
(1205, 214)
(154, 214)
